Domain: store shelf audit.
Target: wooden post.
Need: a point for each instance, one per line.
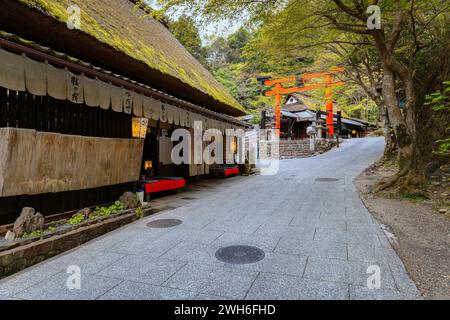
(329, 99)
(278, 110)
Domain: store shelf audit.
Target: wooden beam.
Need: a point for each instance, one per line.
(305, 88)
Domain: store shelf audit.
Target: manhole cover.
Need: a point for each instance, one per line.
(240, 254)
(188, 198)
(164, 223)
(327, 179)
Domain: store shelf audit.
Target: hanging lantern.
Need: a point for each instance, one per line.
(139, 127)
(148, 164)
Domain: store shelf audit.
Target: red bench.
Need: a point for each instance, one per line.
(231, 172)
(154, 186)
(224, 171)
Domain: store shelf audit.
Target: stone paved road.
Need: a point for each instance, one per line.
(318, 239)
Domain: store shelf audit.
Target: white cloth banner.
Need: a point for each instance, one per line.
(188, 119)
(75, 86)
(91, 92)
(170, 110)
(138, 103)
(19, 73)
(104, 95)
(12, 71)
(148, 107)
(176, 115)
(182, 120)
(127, 101)
(156, 109)
(36, 77)
(195, 117)
(116, 98)
(56, 82)
(163, 112)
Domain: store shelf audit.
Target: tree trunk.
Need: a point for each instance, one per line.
(389, 136)
(405, 144)
(390, 148)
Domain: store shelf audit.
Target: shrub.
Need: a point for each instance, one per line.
(76, 219)
(139, 213)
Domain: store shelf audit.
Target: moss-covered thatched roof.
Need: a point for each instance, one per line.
(116, 23)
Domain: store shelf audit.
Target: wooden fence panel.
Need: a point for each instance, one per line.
(42, 162)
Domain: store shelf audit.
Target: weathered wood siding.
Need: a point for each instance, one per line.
(34, 162)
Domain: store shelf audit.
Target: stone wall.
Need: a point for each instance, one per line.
(291, 149)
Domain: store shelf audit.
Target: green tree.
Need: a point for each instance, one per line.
(440, 102)
(185, 30)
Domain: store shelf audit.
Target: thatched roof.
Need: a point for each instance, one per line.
(295, 107)
(117, 24)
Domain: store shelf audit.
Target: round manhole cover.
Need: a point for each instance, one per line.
(327, 179)
(164, 223)
(240, 254)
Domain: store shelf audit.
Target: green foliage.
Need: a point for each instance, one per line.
(103, 212)
(185, 30)
(440, 102)
(414, 198)
(256, 119)
(76, 219)
(38, 233)
(139, 213)
(443, 147)
(33, 234)
(236, 61)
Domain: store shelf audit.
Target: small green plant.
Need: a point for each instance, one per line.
(414, 198)
(139, 213)
(107, 211)
(93, 216)
(32, 234)
(103, 212)
(76, 219)
(117, 207)
(51, 229)
(38, 233)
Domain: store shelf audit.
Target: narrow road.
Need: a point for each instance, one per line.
(317, 241)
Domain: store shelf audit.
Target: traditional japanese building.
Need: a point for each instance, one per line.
(296, 117)
(90, 91)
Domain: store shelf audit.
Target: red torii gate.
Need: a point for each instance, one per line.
(329, 83)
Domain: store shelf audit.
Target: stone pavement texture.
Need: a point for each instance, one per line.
(319, 241)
